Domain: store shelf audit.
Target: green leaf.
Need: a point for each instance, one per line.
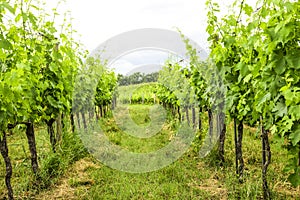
(248, 9)
(273, 129)
(7, 6)
(243, 68)
(295, 135)
(280, 66)
(24, 17)
(280, 108)
(52, 101)
(294, 179)
(285, 33)
(293, 59)
(295, 111)
(247, 78)
(292, 96)
(263, 99)
(32, 18)
(5, 44)
(53, 67)
(18, 17)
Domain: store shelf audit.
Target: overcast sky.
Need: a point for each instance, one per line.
(99, 20)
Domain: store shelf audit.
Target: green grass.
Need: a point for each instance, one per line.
(52, 165)
(118, 133)
(190, 177)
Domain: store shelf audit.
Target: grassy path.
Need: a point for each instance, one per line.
(188, 178)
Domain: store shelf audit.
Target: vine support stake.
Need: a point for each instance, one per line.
(222, 129)
(239, 148)
(235, 145)
(266, 158)
(4, 153)
(32, 146)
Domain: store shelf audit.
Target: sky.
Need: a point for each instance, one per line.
(99, 20)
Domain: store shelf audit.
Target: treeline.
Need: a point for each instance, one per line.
(137, 78)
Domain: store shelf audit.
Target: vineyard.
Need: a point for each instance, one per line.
(243, 102)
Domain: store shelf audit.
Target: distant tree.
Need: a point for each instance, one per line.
(137, 78)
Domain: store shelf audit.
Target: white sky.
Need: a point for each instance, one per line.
(99, 20)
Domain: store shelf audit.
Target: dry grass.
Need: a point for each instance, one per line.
(74, 184)
(213, 187)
